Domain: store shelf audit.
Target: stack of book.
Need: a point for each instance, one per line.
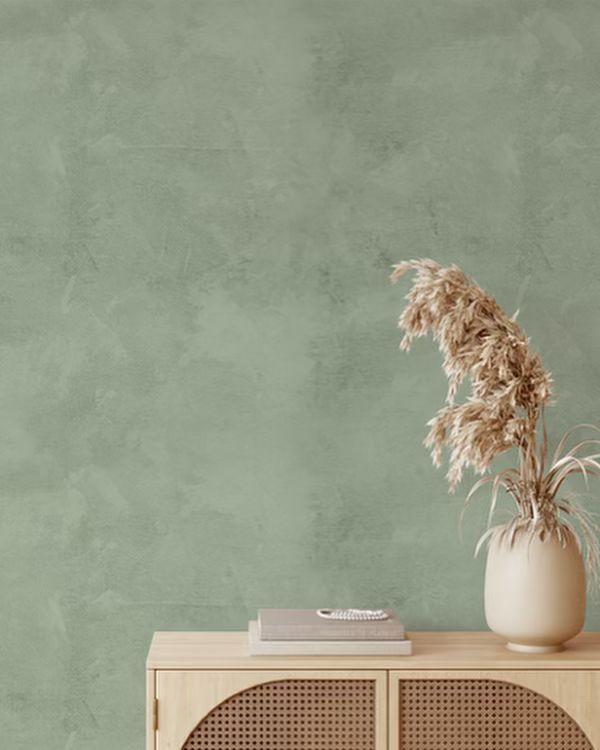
(304, 632)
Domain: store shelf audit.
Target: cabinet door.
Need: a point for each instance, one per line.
(271, 710)
(495, 710)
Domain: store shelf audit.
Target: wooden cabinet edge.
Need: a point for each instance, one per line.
(432, 650)
(151, 709)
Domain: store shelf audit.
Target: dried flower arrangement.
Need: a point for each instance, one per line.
(505, 408)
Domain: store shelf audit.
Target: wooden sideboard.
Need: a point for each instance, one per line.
(458, 691)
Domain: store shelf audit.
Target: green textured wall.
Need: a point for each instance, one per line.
(204, 409)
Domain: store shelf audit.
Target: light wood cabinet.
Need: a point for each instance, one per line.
(459, 691)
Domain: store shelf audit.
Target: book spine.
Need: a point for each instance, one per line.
(337, 634)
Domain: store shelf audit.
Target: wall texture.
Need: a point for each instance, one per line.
(204, 409)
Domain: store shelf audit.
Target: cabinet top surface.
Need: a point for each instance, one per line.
(431, 650)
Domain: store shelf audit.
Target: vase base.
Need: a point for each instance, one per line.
(523, 648)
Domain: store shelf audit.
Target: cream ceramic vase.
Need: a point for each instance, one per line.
(534, 591)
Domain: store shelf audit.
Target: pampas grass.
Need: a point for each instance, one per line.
(504, 410)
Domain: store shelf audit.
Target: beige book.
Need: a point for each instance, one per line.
(259, 647)
(307, 625)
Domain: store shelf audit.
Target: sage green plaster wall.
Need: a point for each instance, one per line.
(204, 409)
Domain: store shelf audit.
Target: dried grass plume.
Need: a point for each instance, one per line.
(509, 388)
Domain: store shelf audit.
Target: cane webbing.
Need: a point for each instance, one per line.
(292, 715)
(482, 715)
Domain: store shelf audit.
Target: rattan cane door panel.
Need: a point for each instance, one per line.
(272, 710)
(494, 711)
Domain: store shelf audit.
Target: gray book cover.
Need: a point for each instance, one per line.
(307, 625)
